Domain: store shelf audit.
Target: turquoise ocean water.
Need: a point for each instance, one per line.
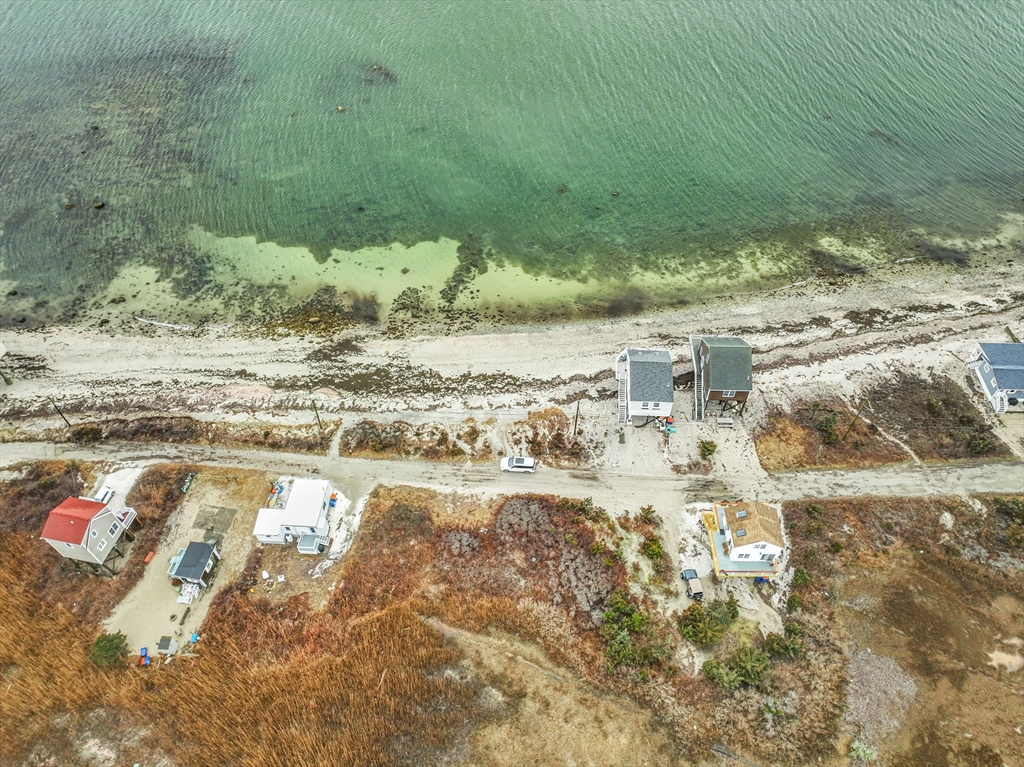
(573, 138)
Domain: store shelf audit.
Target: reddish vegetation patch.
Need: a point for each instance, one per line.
(935, 418)
(823, 434)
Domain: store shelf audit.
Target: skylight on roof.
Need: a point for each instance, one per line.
(740, 533)
(741, 514)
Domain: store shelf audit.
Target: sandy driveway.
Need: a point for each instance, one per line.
(227, 501)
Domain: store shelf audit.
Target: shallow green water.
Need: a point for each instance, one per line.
(571, 137)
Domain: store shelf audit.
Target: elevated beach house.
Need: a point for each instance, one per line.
(1000, 372)
(645, 383)
(297, 510)
(88, 530)
(722, 374)
(746, 539)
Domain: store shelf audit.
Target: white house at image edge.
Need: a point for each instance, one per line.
(297, 509)
(86, 530)
(1000, 371)
(645, 383)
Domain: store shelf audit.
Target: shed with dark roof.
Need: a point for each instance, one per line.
(193, 563)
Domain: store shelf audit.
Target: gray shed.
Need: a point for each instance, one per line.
(193, 564)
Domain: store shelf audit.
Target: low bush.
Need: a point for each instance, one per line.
(110, 650)
(801, 577)
(783, 646)
(746, 665)
(707, 449)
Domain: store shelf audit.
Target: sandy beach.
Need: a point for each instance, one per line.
(833, 333)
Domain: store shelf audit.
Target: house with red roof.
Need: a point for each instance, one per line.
(87, 530)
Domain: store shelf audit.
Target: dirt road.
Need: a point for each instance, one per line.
(612, 490)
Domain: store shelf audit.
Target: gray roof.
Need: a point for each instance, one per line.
(650, 375)
(193, 562)
(1007, 361)
(730, 361)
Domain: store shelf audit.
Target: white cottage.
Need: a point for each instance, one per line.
(746, 539)
(645, 383)
(297, 509)
(87, 530)
(1000, 372)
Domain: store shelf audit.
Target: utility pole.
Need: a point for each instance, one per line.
(855, 417)
(60, 413)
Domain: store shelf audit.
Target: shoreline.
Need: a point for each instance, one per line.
(914, 313)
(444, 286)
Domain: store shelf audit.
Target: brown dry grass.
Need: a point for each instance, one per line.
(936, 419)
(547, 435)
(51, 611)
(54, 580)
(304, 438)
(432, 441)
(365, 681)
(801, 439)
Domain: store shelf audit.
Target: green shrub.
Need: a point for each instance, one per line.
(697, 626)
(628, 634)
(1011, 507)
(649, 516)
(835, 546)
(653, 549)
(793, 629)
(110, 650)
(862, 752)
(827, 427)
(721, 674)
(980, 443)
(801, 577)
(1015, 536)
(814, 510)
(707, 449)
(723, 611)
(596, 549)
(783, 646)
(793, 602)
(750, 664)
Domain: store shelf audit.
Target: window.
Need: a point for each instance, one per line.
(113, 529)
(647, 405)
(93, 534)
(69, 545)
(729, 393)
(767, 557)
(761, 546)
(742, 556)
(740, 533)
(103, 545)
(740, 514)
(656, 406)
(312, 529)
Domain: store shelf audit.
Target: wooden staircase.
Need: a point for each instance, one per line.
(623, 401)
(698, 383)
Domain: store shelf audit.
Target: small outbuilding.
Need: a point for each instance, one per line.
(194, 564)
(297, 509)
(645, 383)
(722, 374)
(88, 530)
(999, 369)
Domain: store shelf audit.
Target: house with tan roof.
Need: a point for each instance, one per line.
(746, 538)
